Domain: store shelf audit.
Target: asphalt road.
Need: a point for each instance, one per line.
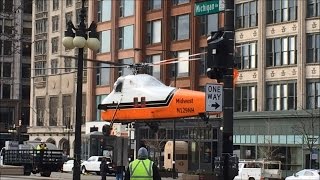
(58, 176)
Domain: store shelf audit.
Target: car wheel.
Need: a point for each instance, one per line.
(83, 170)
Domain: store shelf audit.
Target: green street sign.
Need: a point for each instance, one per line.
(208, 7)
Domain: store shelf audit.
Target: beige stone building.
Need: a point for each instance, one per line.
(53, 79)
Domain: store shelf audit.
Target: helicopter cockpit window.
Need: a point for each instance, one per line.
(119, 86)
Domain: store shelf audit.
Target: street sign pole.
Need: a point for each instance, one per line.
(227, 134)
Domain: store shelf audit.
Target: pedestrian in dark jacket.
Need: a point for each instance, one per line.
(142, 168)
(103, 169)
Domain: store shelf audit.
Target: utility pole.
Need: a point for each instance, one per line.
(220, 63)
(227, 133)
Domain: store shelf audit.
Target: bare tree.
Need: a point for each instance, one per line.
(269, 151)
(308, 126)
(157, 144)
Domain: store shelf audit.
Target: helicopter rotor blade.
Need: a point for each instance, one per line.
(173, 62)
(97, 61)
(177, 59)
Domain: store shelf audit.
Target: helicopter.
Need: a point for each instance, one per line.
(143, 98)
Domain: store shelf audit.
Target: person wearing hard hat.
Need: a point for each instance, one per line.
(142, 168)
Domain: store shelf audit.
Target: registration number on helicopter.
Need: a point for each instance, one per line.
(185, 110)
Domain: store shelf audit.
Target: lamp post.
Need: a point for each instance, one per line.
(80, 39)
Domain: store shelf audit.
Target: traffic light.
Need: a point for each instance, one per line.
(220, 54)
(106, 130)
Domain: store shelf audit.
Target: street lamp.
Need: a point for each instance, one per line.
(80, 39)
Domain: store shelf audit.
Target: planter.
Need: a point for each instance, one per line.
(167, 174)
(198, 177)
(190, 177)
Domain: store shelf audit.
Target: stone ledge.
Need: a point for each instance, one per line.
(11, 170)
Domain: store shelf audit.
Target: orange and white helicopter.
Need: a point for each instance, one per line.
(143, 98)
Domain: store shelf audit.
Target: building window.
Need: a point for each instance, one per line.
(154, 32)
(78, 11)
(103, 74)
(180, 27)
(181, 69)
(246, 98)
(208, 24)
(41, 6)
(67, 64)
(41, 106)
(313, 48)
(104, 10)
(281, 51)
(41, 26)
(25, 92)
(246, 55)
(281, 96)
(154, 70)
(8, 27)
(68, 3)
(40, 68)
(105, 40)
(313, 95)
(55, 23)
(313, 8)
(203, 61)
(281, 11)
(126, 37)
(126, 8)
(154, 4)
(178, 2)
(68, 18)
(99, 99)
(8, 6)
(25, 70)
(84, 105)
(246, 15)
(27, 7)
(6, 91)
(1, 45)
(54, 44)
(53, 111)
(66, 110)
(55, 5)
(123, 71)
(26, 49)
(40, 47)
(6, 69)
(7, 47)
(54, 66)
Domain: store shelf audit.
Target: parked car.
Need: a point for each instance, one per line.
(305, 174)
(93, 165)
(68, 166)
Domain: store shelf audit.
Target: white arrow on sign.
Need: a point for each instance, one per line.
(214, 97)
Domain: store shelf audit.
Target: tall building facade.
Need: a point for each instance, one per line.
(277, 53)
(15, 53)
(53, 78)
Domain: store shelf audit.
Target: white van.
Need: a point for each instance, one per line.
(258, 170)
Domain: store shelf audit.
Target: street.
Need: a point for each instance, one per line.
(58, 176)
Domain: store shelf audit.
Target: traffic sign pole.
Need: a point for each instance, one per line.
(227, 134)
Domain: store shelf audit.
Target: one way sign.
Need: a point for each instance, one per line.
(214, 97)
